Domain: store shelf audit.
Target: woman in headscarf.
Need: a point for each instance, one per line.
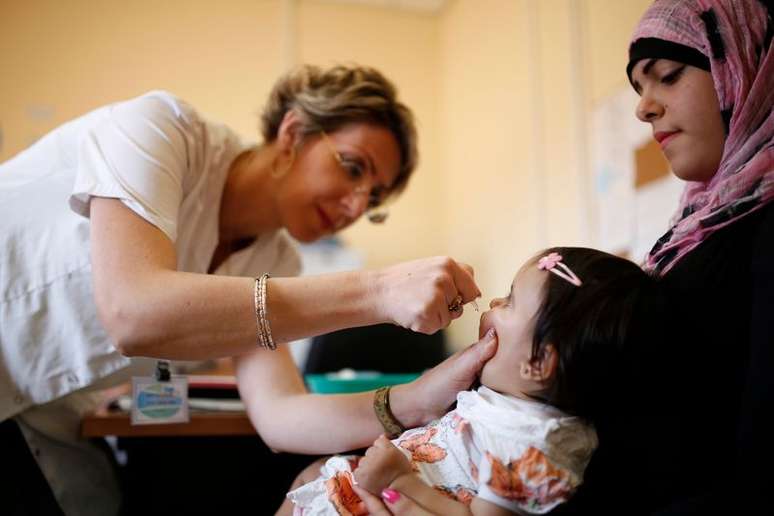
(690, 437)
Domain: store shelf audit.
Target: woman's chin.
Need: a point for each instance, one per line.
(305, 235)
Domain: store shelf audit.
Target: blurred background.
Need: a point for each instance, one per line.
(526, 121)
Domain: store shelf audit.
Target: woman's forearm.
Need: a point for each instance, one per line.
(178, 315)
(151, 309)
(313, 305)
(321, 423)
(290, 419)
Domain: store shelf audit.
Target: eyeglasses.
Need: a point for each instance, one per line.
(358, 175)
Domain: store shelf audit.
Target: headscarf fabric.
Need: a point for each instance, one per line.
(736, 37)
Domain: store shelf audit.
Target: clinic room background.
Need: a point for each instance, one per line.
(504, 92)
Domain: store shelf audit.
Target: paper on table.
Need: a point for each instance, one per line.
(124, 402)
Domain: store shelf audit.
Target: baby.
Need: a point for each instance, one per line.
(522, 440)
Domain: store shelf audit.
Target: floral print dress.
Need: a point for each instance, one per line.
(523, 455)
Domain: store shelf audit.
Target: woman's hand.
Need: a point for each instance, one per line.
(417, 294)
(429, 396)
(382, 464)
(394, 503)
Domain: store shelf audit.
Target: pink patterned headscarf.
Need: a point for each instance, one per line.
(736, 37)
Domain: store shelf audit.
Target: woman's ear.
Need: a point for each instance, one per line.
(289, 133)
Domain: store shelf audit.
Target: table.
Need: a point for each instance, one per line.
(213, 460)
(213, 464)
(106, 422)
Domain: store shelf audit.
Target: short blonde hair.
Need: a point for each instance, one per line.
(328, 99)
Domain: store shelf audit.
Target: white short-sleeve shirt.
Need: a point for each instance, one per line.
(164, 161)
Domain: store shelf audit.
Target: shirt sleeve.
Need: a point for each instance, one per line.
(532, 474)
(288, 258)
(527, 484)
(139, 153)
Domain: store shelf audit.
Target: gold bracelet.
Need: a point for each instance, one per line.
(265, 327)
(265, 339)
(256, 307)
(383, 413)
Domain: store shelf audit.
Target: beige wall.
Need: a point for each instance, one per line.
(514, 114)
(487, 145)
(60, 59)
(65, 58)
(404, 46)
(609, 26)
(502, 90)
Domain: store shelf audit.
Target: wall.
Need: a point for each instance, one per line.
(501, 89)
(519, 80)
(490, 214)
(60, 59)
(404, 45)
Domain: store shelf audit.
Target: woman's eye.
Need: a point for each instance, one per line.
(353, 168)
(672, 77)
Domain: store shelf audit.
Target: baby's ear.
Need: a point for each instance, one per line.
(544, 368)
(549, 361)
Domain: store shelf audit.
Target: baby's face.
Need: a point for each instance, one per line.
(513, 319)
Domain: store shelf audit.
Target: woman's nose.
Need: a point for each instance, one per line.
(355, 204)
(649, 109)
(494, 303)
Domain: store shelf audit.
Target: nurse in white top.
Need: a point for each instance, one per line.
(138, 229)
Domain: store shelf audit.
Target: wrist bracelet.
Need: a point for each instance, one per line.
(392, 426)
(265, 339)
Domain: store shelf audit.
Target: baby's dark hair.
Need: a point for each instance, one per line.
(590, 326)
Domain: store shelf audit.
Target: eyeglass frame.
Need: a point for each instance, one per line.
(375, 215)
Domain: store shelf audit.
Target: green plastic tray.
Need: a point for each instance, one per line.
(357, 381)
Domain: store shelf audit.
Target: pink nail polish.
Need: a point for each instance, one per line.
(391, 495)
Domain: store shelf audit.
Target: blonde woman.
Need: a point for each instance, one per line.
(142, 229)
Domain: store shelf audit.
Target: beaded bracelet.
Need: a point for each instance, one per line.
(265, 339)
(384, 414)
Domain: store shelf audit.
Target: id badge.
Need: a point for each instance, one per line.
(159, 402)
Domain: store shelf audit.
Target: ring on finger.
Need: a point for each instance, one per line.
(456, 304)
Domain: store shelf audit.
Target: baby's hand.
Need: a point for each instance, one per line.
(382, 464)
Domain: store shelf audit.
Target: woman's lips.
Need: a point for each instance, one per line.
(664, 137)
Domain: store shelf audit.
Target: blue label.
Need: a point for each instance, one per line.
(159, 401)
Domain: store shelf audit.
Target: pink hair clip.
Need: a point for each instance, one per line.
(552, 262)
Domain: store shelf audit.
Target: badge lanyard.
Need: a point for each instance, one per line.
(160, 399)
